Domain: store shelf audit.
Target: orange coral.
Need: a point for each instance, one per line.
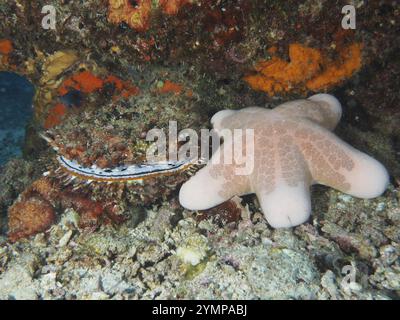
(88, 83)
(5, 46)
(55, 116)
(84, 81)
(308, 69)
(126, 88)
(172, 7)
(29, 217)
(349, 62)
(137, 17)
(170, 87)
(119, 84)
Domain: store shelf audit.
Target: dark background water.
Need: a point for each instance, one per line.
(16, 94)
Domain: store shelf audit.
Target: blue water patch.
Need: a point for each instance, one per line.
(16, 95)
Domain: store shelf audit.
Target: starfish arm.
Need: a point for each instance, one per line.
(335, 163)
(203, 191)
(216, 183)
(286, 206)
(282, 185)
(219, 117)
(235, 119)
(323, 109)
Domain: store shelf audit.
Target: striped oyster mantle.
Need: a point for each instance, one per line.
(121, 173)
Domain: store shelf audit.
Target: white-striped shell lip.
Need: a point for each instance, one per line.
(120, 172)
(124, 172)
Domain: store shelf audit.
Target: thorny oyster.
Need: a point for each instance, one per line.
(111, 141)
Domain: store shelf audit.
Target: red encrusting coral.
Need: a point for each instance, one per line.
(84, 81)
(6, 46)
(125, 88)
(35, 210)
(29, 217)
(170, 87)
(87, 83)
(55, 116)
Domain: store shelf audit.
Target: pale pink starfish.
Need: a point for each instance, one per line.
(293, 149)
